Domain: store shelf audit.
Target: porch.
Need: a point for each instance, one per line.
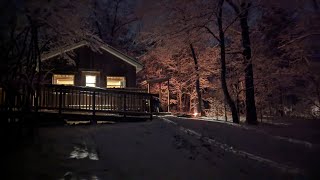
(80, 102)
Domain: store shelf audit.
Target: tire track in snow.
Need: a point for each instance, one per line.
(291, 140)
(228, 148)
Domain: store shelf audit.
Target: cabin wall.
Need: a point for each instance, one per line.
(88, 61)
(106, 64)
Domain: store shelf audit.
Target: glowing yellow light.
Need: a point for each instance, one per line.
(63, 79)
(116, 82)
(91, 80)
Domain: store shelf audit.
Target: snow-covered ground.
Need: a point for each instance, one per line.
(165, 148)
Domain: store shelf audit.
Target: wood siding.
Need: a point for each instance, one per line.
(87, 60)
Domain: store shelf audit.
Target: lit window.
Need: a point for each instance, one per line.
(116, 82)
(91, 80)
(63, 79)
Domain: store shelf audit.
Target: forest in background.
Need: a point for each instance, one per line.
(248, 58)
(283, 54)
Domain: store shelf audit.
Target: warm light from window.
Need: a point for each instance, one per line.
(91, 80)
(63, 79)
(116, 82)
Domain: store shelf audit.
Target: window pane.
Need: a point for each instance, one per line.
(63, 79)
(116, 82)
(91, 80)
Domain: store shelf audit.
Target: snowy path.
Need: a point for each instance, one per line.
(235, 151)
(147, 150)
(305, 143)
(284, 153)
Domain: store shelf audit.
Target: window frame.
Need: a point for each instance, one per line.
(92, 83)
(86, 73)
(120, 87)
(54, 79)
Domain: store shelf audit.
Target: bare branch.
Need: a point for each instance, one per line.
(125, 23)
(297, 39)
(234, 6)
(212, 33)
(231, 23)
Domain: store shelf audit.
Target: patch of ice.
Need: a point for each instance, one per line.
(71, 176)
(81, 153)
(93, 156)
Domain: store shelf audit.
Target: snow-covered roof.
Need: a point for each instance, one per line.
(130, 60)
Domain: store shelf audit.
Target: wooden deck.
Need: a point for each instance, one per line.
(68, 101)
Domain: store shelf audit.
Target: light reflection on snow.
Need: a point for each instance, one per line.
(94, 178)
(73, 176)
(81, 153)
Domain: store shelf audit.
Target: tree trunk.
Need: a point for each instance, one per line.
(237, 97)
(217, 112)
(190, 104)
(96, 20)
(251, 112)
(185, 102)
(225, 111)
(180, 101)
(235, 117)
(115, 19)
(281, 103)
(318, 95)
(196, 66)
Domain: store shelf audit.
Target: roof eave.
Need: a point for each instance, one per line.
(51, 55)
(125, 58)
(107, 48)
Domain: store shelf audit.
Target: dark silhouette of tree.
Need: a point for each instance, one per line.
(235, 117)
(243, 11)
(196, 66)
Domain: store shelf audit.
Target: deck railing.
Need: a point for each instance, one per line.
(83, 99)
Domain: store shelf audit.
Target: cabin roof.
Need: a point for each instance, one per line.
(105, 47)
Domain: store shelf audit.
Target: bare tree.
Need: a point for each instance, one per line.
(199, 96)
(242, 11)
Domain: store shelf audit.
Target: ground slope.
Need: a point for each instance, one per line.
(166, 148)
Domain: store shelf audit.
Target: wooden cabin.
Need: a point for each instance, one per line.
(85, 79)
(84, 64)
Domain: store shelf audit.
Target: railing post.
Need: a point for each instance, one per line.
(60, 100)
(35, 99)
(150, 106)
(40, 97)
(79, 99)
(124, 105)
(94, 108)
